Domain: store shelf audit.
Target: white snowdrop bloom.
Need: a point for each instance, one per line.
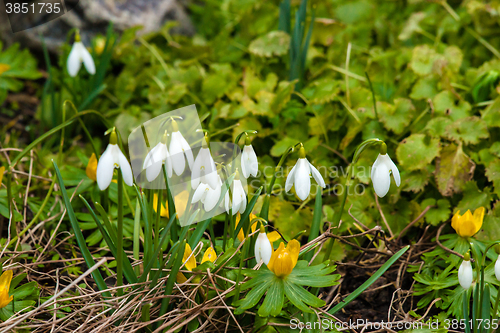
(208, 196)
(77, 56)
(249, 162)
(203, 169)
(155, 159)
(465, 273)
(239, 197)
(381, 173)
(112, 158)
(263, 247)
(300, 176)
(178, 149)
(497, 268)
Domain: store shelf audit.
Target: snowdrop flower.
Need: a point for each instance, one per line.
(249, 163)
(155, 158)
(203, 169)
(77, 56)
(263, 247)
(465, 272)
(239, 200)
(300, 176)
(112, 158)
(381, 173)
(178, 149)
(208, 196)
(497, 268)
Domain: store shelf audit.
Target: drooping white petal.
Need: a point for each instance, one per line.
(465, 275)
(168, 163)
(381, 179)
(212, 197)
(239, 197)
(88, 62)
(249, 162)
(211, 177)
(74, 61)
(290, 179)
(125, 168)
(154, 161)
(497, 268)
(187, 151)
(177, 154)
(105, 167)
(263, 248)
(302, 179)
(200, 193)
(196, 170)
(395, 172)
(317, 176)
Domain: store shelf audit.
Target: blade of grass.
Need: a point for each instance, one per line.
(316, 222)
(248, 210)
(127, 266)
(89, 260)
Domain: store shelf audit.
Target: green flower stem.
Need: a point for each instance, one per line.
(37, 215)
(264, 212)
(119, 236)
(495, 310)
(137, 232)
(157, 219)
(373, 96)
(224, 239)
(13, 230)
(350, 176)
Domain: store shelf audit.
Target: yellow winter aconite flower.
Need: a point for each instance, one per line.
(209, 255)
(273, 236)
(5, 280)
(92, 167)
(2, 170)
(191, 263)
(284, 259)
(468, 225)
(4, 68)
(180, 201)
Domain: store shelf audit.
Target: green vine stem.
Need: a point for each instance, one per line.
(119, 235)
(350, 175)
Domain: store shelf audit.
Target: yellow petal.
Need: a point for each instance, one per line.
(181, 278)
(293, 248)
(209, 255)
(191, 263)
(5, 280)
(478, 218)
(241, 234)
(92, 167)
(455, 220)
(4, 68)
(2, 170)
(164, 211)
(274, 256)
(180, 201)
(273, 236)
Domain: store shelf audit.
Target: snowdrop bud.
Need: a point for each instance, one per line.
(77, 56)
(300, 176)
(465, 272)
(381, 173)
(112, 158)
(497, 268)
(263, 247)
(155, 158)
(249, 162)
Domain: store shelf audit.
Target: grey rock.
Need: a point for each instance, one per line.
(93, 17)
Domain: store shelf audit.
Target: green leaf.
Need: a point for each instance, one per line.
(414, 181)
(416, 151)
(298, 296)
(253, 297)
(322, 91)
(446, 104)
(491, 115)
(438, 214)
(473, 197)
(453, 169)
(220, 80)
(469, 130)
(422, 60)
(396, 117)
(436, 126)
(275, 43)
(424, 88)
(275, 298)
